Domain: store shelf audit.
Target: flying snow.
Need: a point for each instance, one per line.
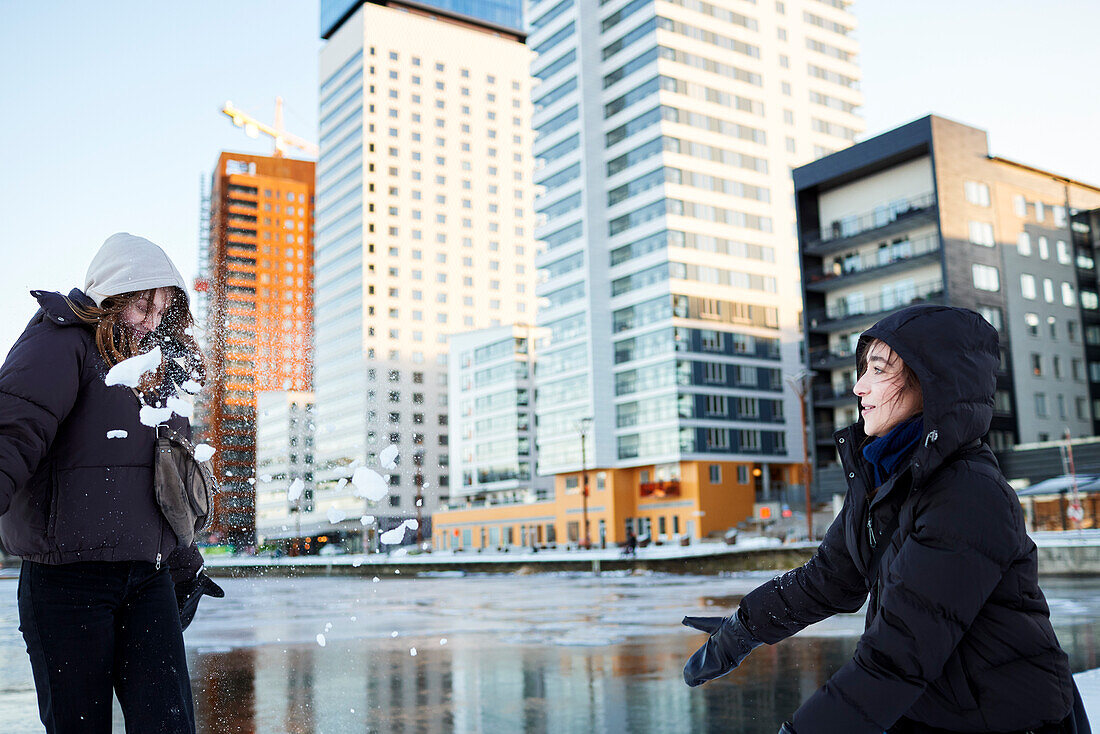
(180, 406)
(117, 434)
(335, 514)
(204, 452)
(153, 417)
(388, 458)
(129, 372)
(295, 490)
(369, 484)
(397, 535)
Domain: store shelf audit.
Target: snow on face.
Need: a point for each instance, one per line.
(204, 452)
(388, 458)
(129, 372)
(117, 434)
(369, 484)
(335, 514)
(295, 490)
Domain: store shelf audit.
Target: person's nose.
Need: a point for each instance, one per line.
(860, 388)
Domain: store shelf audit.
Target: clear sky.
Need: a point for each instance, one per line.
(109, 111)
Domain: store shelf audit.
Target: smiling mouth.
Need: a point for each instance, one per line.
(868, 407)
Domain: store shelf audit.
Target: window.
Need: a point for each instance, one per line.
(1027, 287)
(1041, 405)
(992, 314)
(1031, 320)
(1036, 365)
(718, 438)
(981, 233)
(986, 278)
(1044, 248)
(742, 474)
(977, 193)
(1056, 364)
(1062, 251)
(1019, 203)
(714, 373)
(1068, 298)
(1052, 327)
(715, 474)
(1048, 290)
(1023, 244)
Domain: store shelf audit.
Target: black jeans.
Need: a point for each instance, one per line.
(96, 626)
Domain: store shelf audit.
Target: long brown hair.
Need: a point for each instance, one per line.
(117, 341)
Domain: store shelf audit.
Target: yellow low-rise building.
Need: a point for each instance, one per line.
(700, 499)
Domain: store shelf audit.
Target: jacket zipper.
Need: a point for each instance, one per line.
(870, 530)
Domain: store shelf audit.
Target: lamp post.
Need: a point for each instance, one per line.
(800, 383)
(584, 425)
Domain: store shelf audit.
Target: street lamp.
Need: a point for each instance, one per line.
(800, 383)
(584, 425)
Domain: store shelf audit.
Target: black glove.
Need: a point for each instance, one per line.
(189, 592)
(730, 643)
(787, 728)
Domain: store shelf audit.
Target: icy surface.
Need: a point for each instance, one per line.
(295, 489)
(118, 433)
(388, 458)
(129, 372)
(369, 484)
(204, 452)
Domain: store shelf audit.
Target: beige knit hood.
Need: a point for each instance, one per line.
(127, 263)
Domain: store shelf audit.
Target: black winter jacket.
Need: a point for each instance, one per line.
(958, 635)
(67, 492)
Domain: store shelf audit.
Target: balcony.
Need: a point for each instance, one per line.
(886, 261)
(659, 490)
(823, 433)
(825, 359)
(883, 221)
(833, 395)
(851, 313)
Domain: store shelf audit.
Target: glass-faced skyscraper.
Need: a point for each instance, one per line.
(665, 135)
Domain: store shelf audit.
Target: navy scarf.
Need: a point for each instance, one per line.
(886, 453)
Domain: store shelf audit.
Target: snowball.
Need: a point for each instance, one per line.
(295, 490)
(341, 484)
(425, 485)
(153, 417)
(191, 387)
(388, 458)
(356, 564)
(375, 579)
(328, 626)
(335, 515)
(117, 434)
(366, 519)
(442, 640)
(411, 524)
(320, 639)
(395, 536)
(369, 484)
(251, 480)
(204, 452)
(412, 651)
(265, 478)
(393, 634)
(180, 406)
(129, 372)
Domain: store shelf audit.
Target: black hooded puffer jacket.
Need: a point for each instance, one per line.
(958, 635)
(68, 492)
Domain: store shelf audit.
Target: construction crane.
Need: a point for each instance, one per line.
(283, 140)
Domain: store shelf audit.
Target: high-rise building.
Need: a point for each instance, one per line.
(259, 314)
(284, 459)
(425, 228)
(665, 134)
(923, 213)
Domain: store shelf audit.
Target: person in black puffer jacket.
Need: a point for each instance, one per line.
(958, 635)
(104, 581)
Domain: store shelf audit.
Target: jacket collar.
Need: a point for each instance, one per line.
(57, 309)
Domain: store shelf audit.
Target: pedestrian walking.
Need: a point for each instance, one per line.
(106, 584)
(958, 635)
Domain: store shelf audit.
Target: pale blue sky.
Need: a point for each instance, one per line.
(109, 111)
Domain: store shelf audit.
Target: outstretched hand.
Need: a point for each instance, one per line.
(730, 642)
(188, 594)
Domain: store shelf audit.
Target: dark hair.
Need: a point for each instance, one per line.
(116, 341)
(909, 379)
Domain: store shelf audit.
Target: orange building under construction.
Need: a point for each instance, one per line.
(259, 333)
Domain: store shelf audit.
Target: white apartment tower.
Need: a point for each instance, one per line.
(666, 131)
(425, 228)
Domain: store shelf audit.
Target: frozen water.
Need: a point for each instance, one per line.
(180, 406)
(335, 514)
(295, 489)
(192, 387)
(341, 484)
(321, 639)
(366, 519)
(369, 484)
(129, 372)
(153, 417)
(412, 651)
(204, 452)
(397, 535)
(388, 458)
(265, 478)
(118, 433)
